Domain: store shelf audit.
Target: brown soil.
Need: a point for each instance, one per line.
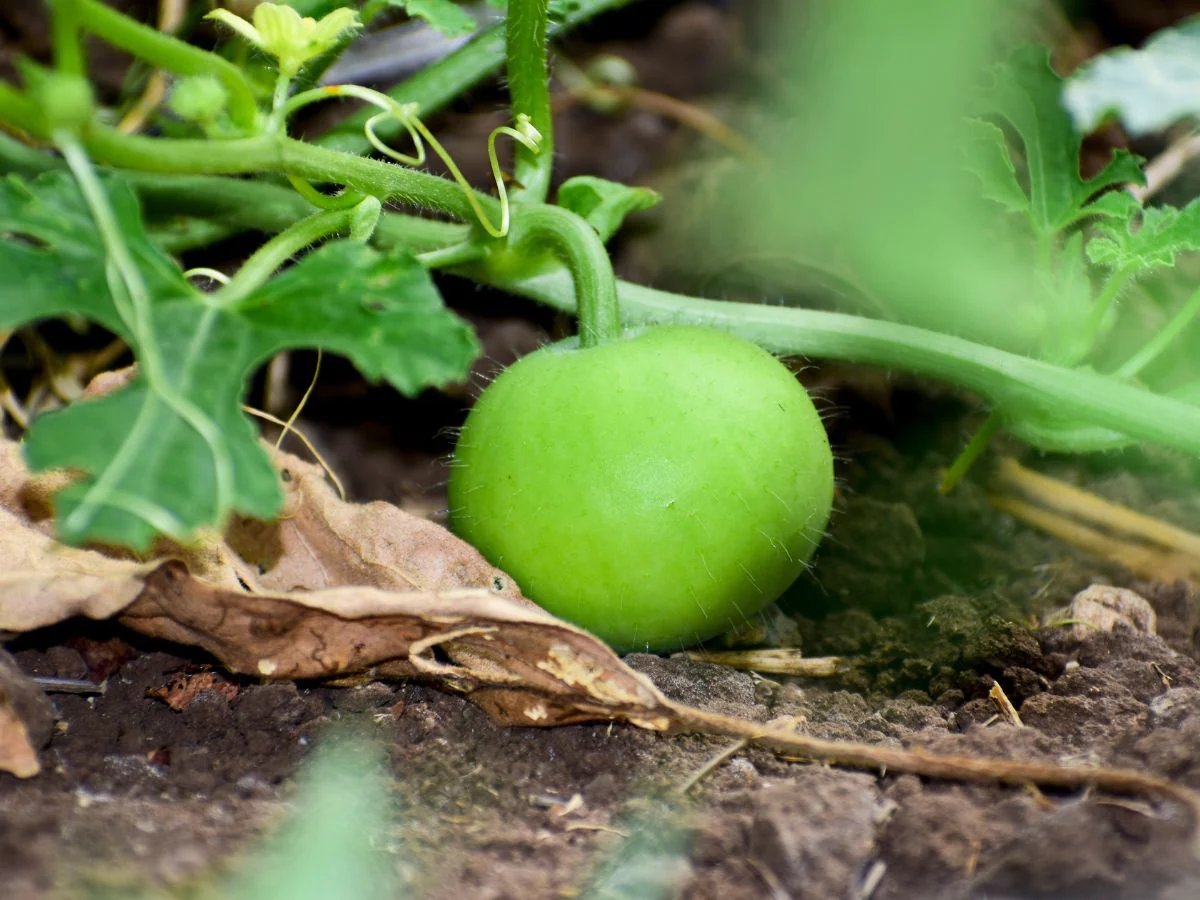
(137, 794)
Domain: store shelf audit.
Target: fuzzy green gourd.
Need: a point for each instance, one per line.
(657, 489)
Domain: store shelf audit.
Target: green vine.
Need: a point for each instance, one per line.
(529, 90)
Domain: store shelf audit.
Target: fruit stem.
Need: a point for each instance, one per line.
(576, 243)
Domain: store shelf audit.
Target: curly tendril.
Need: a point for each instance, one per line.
(406, 114)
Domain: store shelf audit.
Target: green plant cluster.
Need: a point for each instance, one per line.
(93, 219)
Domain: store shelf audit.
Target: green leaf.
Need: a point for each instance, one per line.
(53, 260)
(381, 311)
(1027, 96)
(443, 15)
(988, 157)
(172, 452)
(604, 204)
(1147, 241)
(1148, 89)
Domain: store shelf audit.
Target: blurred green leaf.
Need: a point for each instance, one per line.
(54, 261)
(650, 864)
(867, 176)
(988, 156)
(174, 454)
(1148, 89)
(333, 844)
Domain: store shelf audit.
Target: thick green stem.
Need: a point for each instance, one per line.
(183, 235)
(169, 53)
(19, 112)
(261, 265)
(529, 90)
(275, 122)
(68, 47)
(550, 228)
(254, 205)
(445, 257)
(286, 156)
(1008, 380)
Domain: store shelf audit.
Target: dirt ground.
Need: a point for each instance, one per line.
(932, 600)
(137, 794)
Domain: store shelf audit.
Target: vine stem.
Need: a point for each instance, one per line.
(275, 123)
(65, 37)
(289, 157)
(457, 255)
(436, 85)
(261, 265)
(1010, 381)
(1163, 339)
(406, 115)
(575, 242)
(165, 52)
(237, 203)
(261, 153)
(970, 454)
(529, 90)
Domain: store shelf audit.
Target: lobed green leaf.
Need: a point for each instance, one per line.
(989, 158)
(53, 257)
(1027, 96)
(1146, 241)
(172, 452)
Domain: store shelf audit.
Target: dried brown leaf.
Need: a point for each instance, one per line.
(417, 602)
(43, 582)
(17, 755)
(523, 665)
(321, 541)
(26, 720)
(335, 589)
(184, 687)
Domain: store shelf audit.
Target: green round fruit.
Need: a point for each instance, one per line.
(656, 490)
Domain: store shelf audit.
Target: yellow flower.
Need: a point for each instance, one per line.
(291, 38)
